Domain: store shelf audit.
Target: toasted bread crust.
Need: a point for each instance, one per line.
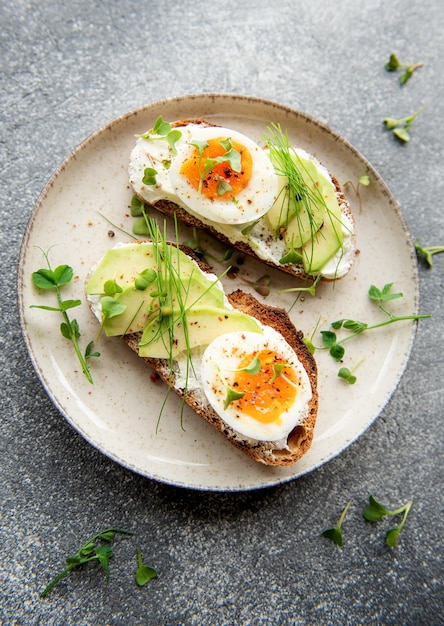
(301, 437)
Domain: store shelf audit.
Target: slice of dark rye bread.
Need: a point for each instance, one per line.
(301, 437)
(171, 209)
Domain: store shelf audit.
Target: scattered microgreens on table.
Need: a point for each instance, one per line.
(335, 533)
(428, 252)
(393, 65)
(144, 573)
(49, 279)
(375, 511)
(400, 127)
(363, 181)
(96, 549)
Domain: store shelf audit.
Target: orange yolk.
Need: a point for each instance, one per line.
(222, 172)
(264, 400)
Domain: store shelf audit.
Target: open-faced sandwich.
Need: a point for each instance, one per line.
(276, 203)
(240, 364)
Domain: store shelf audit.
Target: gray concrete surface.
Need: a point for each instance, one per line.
(245, 558)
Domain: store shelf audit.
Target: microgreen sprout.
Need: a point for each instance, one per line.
(49, 279)
(223, 186)
(145, 278)
(428, 252)
(139, 210)
(363, 181)
(246, 231)
(347, 374)
(335, 346)
(253, 368)
(261, 285)
(143, 573)
(393, 65)
(163, 130)
(278, 372)
(96, 548)
(292, 255)
(137, 206)
(375, 511)
(311, 289)
(111, 287)
(401, 126)
(231, 396)
(111, 307)
(149, 176)
(335, 533)
(308, 340)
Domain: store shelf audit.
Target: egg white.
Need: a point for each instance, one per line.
(223, 355)
(250, 203)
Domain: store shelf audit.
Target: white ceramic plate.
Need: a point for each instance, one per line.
(118, 413)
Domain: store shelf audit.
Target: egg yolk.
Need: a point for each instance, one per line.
(218, 181)
(267, 394)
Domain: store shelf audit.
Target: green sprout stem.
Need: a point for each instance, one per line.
(392, 320)
(380, 296)
(347, 374)
(363, 181)
(69, 328)
(335, 533)
(89, 552)
(394, 64)
(73, 337)
(400, 126)
(144, 573)
(428, 252)
(311, 289)
(374, 511)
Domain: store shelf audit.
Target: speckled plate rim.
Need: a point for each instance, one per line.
(209, 100)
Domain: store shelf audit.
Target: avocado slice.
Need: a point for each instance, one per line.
(179, 333)
(180, 282)
(134, 318)
(300, 217)
(122, 264)
(326, 242)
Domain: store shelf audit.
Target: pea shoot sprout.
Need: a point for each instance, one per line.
(400, 127)
(393, 65)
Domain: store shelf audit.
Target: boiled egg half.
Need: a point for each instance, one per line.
(214, 173)
(256, 384)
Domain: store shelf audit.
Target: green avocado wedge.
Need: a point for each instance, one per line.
(180, 332)
(325, 243)
(158, 290)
